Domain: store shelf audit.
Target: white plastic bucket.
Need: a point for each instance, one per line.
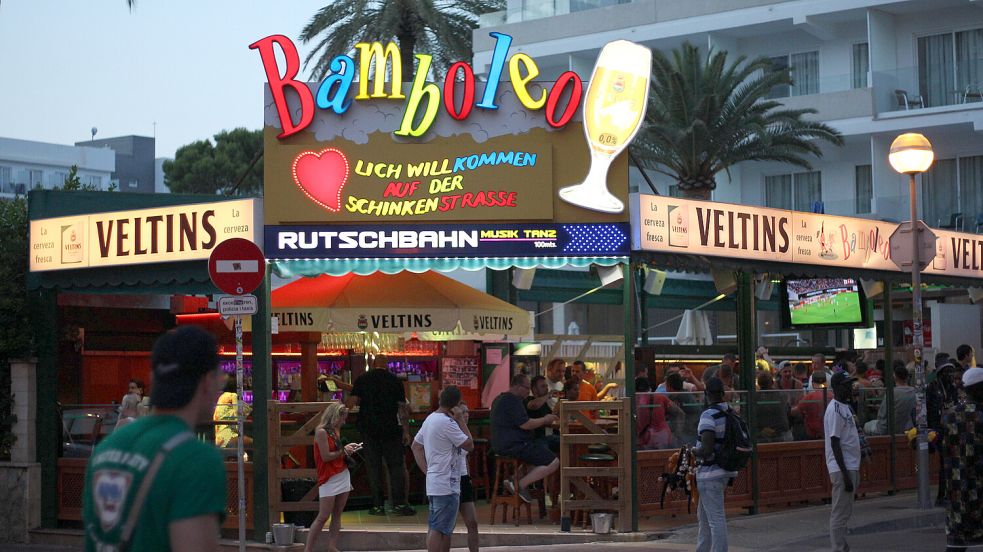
(283, 534)
(601, 522)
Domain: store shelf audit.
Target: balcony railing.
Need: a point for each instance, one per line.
(914, 88)
(540, 9)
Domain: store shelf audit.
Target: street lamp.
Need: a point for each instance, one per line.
(912, 154)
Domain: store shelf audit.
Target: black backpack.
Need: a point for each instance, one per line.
(735, 451)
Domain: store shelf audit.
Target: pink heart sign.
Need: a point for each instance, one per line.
(322, 176)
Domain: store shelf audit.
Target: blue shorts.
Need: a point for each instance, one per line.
(443, 512)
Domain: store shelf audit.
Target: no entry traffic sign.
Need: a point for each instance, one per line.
(236, 266)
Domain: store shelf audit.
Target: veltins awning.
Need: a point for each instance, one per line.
(393, 303)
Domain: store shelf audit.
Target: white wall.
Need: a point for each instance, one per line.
(953, 325)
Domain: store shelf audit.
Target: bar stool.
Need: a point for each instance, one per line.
(508, 468)
(601, 484)
(478, 466)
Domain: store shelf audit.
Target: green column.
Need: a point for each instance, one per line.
(643, 308)
(747, 338)
(888, 378)
(628, 296)
(47, 424)
(262, 389)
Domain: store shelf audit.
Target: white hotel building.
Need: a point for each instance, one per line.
(26, 165)
(872, 68)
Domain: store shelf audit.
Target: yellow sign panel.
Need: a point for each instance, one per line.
(162, 234)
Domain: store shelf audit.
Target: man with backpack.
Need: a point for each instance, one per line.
(724, 448)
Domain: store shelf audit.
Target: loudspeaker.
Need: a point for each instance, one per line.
(724, 281)
(975, 294)
(872, 288)
(654, 280)
(522, 277)
(609, 274)
(763, 289)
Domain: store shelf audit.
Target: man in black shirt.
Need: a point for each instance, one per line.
(510, 427)
(538, 406)
(383, 421)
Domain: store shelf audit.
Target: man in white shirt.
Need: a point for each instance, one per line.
(438, 448)
(842, 457)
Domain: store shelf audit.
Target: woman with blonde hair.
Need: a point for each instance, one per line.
(333, 479)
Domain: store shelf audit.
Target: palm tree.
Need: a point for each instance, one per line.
(705, 115)
(438, 27)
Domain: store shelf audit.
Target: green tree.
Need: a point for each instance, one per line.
(16, 323)
(232, 164)
(706, 115)
(74, 184)
(438, 27)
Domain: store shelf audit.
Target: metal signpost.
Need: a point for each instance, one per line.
(914, 252)
(237, 267)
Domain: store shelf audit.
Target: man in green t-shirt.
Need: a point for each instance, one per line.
(152, 485)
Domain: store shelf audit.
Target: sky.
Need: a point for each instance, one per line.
(70, 65)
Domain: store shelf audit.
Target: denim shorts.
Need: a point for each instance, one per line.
(443, 512)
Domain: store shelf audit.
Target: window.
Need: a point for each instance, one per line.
(860, 66)
(133, 183)
(804, 69)
(950, 65)
(797, 191)
(34, 177)
(92, 181)
(953, 186)
(58, 178)
(864, 184)
(6, 180)
(674, 191)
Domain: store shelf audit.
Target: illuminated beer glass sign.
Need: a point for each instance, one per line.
(613, 112)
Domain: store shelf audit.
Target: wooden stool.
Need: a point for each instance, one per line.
(601, 485)
(478, 467)
(508, 468)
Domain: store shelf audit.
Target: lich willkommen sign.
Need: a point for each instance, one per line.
(674, 225)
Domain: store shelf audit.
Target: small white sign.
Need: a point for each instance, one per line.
(238, 305)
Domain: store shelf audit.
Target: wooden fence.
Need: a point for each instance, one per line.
(577, 431)
(286, 434)
(788, 473)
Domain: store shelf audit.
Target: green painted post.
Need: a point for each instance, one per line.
(888, 378)
(643, 308)
(628, 296)
(262, 389)
(47, 423)
(747, 337)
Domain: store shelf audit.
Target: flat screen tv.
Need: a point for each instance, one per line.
(824, 303)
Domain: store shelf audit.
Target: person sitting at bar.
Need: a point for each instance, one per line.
(510, 436)
(818, 364)
(788, 383)
(683, 427)
(226, 413)
(904, 406)
(587, 392)
(555, 379)
(801, 373)
(772, 419)
(537, 406)
(812, 407)
(652, 411)
(730, 360)
(690, 382)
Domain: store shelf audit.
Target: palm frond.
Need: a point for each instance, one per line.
(706, 114)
